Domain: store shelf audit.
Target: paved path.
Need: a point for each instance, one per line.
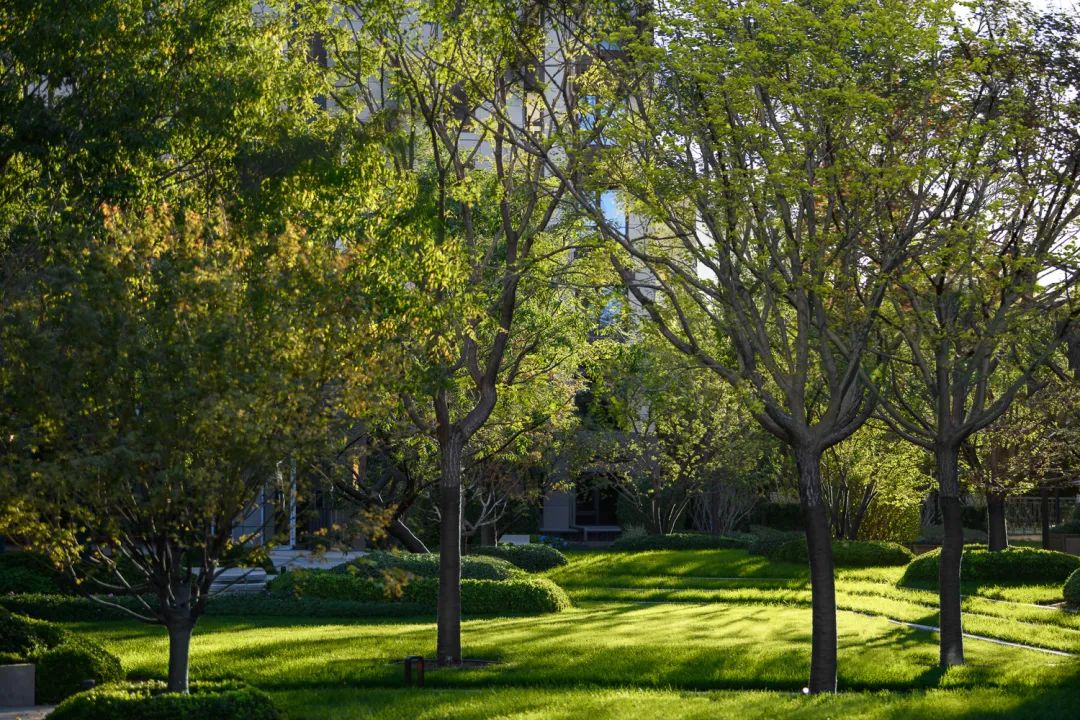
(32, 713)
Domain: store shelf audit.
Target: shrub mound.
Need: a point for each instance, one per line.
(67, 608)
(530, 596)
(677, 541)
(62, 670)
(22, 572)
(63, 660)
(530, 558)
(1012, 566)
(331, 585)
(847, 553)
(1071, 591)
(766, 541)
(149, 701)
(934, 534)
(519, 596)
(427, 565)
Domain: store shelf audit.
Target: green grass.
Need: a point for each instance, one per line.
(655, 634)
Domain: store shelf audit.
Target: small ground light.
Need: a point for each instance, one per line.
(414, 662)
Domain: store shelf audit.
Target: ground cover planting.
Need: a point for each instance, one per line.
(699, 633)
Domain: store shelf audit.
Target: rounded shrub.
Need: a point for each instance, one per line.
(1012, 566)
(847, 553)
(62, 670)
(678, 541)
(427, 565)
(330, 585)
(1071, 591)
(63, 661)
(24, 637)
(529, 596)
(935, 534)
(766, 541)
(519, 596)
(149, 701)
(530, 558)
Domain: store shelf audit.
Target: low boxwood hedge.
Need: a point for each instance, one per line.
(427, 565)
(766, 541)
(25, 637)
(149, 701)
(521, 596)
(935, 534)
(531, 558)
(330, 585)
(1071, 591)
(1012, 566)
(65, 608)
(530, 596)
(678, 541)
(62, 670)
(64, 661)
(847, 553)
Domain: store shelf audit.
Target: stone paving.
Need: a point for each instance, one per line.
(31, 713)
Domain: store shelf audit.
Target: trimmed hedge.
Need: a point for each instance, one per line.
(1071, 591)
(427, 565)
(1012, 566)
(766, 541)
(63, 660)
(531, 596)
(848, 553)
(23, 572)
(478, 597)
(678, 541)
(329, 585)
(935, 534)
(530, 558)
(64, 608)
(149, 701)
(25, 637)
(62, 670)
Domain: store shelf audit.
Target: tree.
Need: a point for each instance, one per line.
(155, 380)
(874, 484)
(779, 162)
(127, 410)
(431, 70)
(680, 441)
(972, 313)
(1032, 444)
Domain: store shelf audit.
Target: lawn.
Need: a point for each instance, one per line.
(678, 634)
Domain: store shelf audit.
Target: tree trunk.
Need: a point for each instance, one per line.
(448, 651)
(952, 549)
(401, 532)
(487, 534)
(179, 654)
(995, 522)
(864, 507)
(1044, 516)
(822, 583)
